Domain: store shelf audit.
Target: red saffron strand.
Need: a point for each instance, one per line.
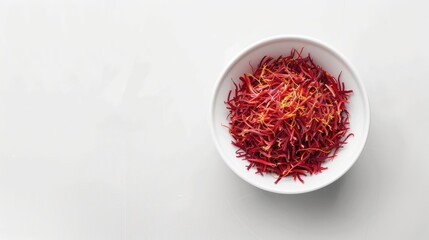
(288, 116)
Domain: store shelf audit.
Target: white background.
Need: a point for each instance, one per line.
(104, 129)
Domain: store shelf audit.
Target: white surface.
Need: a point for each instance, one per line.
(331, 61)
(104, 129)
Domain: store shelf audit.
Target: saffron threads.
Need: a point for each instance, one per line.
(288, 116)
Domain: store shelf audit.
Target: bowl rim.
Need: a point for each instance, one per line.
(267, 41)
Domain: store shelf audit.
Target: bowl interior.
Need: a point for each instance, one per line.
(330, 61)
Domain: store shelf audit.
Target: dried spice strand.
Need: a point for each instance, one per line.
(288, 116)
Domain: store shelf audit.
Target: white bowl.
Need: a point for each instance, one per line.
(330, 60)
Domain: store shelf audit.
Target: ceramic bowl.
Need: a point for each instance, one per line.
(329, 59)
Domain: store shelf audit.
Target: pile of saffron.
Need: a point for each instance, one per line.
(288, 116)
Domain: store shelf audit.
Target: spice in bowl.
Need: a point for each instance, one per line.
(288, 116)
